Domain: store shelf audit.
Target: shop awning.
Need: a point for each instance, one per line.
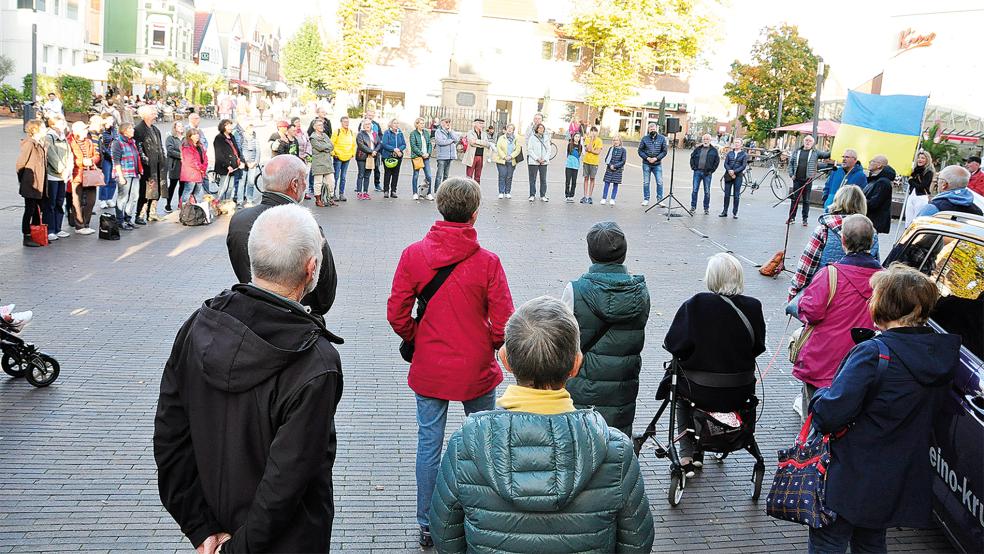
(825, 127)
(243, 84)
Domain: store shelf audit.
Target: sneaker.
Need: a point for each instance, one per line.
(378, 188)
(52, 237)
(127, 226)
(583, 200)
(416, 196)
(393, 195)
(723, 214)
(612, 202)
(63, 234)
(102, 204)
(342, 198)
(81, 231)
(501, 196)
(604, 200)
(545, 199)
(734, 216)
(425, 537)
(508, 196)
(29, 242)
(707, 212)
(645, 202)
(386, 195)
(805, 223)
(307, 195)
(140, 221)
(532, 198)
(569, 199)
(590, 200)
(693, 209)
(430, 197)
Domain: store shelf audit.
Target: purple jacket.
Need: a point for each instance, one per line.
(831, 337)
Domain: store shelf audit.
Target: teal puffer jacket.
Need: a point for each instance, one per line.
(521, 482)
(609, 378)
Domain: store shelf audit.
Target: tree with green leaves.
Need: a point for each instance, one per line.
(6, 67)
(303, 56)
(361, 25)
(166, 69)
(629, 38)
(197, 80)
(943, 151)
(123, 72)
(782, 61)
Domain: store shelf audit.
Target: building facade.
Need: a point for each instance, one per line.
(208, 52)
(64, 39)
(150, 31)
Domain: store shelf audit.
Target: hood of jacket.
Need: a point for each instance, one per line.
(960, 197)
(831, 221)
(538, 463)
(247, 335)
(887, 172)
(447, 243)
(614, 292)
(913, 346)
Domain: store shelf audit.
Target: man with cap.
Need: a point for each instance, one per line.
(612, 308)
(478, 141)
(283, 141)
(976, 183)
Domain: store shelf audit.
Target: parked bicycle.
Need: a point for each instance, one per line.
(773, 177)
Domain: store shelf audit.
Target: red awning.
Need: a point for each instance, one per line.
(245, 85)
(960, 138)
(825, 127)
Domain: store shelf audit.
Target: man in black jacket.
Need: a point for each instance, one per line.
(878, 193)
(244, 437)
(284, 178)
(151, 146)
(704, 161)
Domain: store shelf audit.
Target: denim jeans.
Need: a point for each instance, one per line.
(340, 169)
(604, 193)
(107, 191)
(432, 418)
(249, 187)
(310, 188)
(191, 188)
(505, 177)
(127, 193)
(699, 178)
(54, 206)
(801, 196)
(363, 177)
(736, 186)
(226, 186)
(834, 539)
(427, 175)
(654, 170)
(540, 170)
(443, 171)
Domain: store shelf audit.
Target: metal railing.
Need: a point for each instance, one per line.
(462, 118)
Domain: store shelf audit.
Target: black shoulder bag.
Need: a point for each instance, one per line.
(425, 296)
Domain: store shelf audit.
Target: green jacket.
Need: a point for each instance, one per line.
(609, 378)
(417, 147)
(522, 482)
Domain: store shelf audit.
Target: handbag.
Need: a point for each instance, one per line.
(92, 178)
(799, 487)
(109, 227)
(370, 162)
(430, 289)
(39, 233)
(799, 337)
(519, 157)
(418, 163)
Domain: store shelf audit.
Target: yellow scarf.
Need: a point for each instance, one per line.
(536, 401)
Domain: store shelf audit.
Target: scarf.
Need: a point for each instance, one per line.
(536, 401)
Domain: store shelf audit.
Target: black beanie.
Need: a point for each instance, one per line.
(606, 243)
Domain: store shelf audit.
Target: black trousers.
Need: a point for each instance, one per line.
(570, 182)
(32, 215)
(375, 173)
(391, 176)
(802, 196)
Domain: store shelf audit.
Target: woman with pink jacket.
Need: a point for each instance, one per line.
(194, 165)
(833, 317)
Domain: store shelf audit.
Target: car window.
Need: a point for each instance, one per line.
(960, 309)
(914, 253)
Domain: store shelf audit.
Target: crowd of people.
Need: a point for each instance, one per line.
(261, 352)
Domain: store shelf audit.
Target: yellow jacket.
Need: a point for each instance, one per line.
(590, 158)
(502, 149)
(344, 142)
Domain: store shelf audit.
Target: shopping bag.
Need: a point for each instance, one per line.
(39, 233)
(799, 486)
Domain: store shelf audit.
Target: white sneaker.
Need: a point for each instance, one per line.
(501, 196)
(544, 199)
(63, 234)
(102, 204)
(612, 202)
(508, 196)
(81, 231)
(52, 236)
(603, 201)
(532, 198)
(645, 202)
(416, 197)
(430, 196)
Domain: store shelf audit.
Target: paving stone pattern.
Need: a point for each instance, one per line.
(76, 459)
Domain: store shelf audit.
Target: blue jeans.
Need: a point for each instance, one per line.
(443, 172)
(505, 177)
(310, 188)
(736, 186)
(705, 178)
(362, 178)
(540, 170)
(191, 188)
(54, 206)
(656, 170)
(340, 169)
(834, 539)
(107, 191)
(432, 418)
(614, 186)
(427, 175)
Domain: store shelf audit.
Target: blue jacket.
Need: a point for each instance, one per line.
(653, 148)
(392, 140)
(837, 180)
(736, 161)
(960, 200)
(446, 141)
(879, 474)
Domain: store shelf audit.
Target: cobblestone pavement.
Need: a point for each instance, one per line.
(76, 461)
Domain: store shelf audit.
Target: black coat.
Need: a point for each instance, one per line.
(237, 242)
(327, 123)
(173, 147)
(226, 154)
(921, 180)
(708, 336)
(244, 437)
(151, 147)
(879, 196)
(879, 475)
(713, 159)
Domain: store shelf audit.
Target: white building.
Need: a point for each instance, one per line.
(208, 50)
(63, 40)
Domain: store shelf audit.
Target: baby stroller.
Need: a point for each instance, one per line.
(20, 358)
(721, 434)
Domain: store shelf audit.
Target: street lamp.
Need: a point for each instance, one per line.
(816, 101)
(30, 108)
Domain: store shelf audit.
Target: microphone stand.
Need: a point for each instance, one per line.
(670, 198)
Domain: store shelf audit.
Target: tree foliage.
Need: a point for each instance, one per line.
(303, 56)
(629, 38)
(782, 60)
(166, 69)
(361, 25)
(123, 72)
(943, 151)
(6, 67)
(76, 93)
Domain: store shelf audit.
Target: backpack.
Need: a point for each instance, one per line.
(193, 215)
(109, 227)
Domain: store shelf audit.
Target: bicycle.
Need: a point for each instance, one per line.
(553, 150)
(747, 181)
(772, 177)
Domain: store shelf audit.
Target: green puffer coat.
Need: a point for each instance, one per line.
(609, 378)
(522, 482)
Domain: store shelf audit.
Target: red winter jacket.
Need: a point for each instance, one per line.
(465, 321)
(194, 162)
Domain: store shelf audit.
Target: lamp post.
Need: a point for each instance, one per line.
(782, 96)
(816, 101)
(29, 107)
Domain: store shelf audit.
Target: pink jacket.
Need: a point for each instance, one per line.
(193, 165)
(831, 339)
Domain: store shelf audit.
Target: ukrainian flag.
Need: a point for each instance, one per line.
(873, 124)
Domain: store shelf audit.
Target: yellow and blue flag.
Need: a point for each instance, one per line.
(889, 125)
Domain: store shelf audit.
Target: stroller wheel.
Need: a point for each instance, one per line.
(677, 484)
(757, 474)
(42, 370)
(13, 365)
(720, 456)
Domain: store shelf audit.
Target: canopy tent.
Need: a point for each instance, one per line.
(825, 127)
(94, 71)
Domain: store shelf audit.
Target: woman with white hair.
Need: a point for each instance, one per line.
(84, 186)
(715, 338)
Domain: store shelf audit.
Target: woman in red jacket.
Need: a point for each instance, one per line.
(194, 165)
(86, 156)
